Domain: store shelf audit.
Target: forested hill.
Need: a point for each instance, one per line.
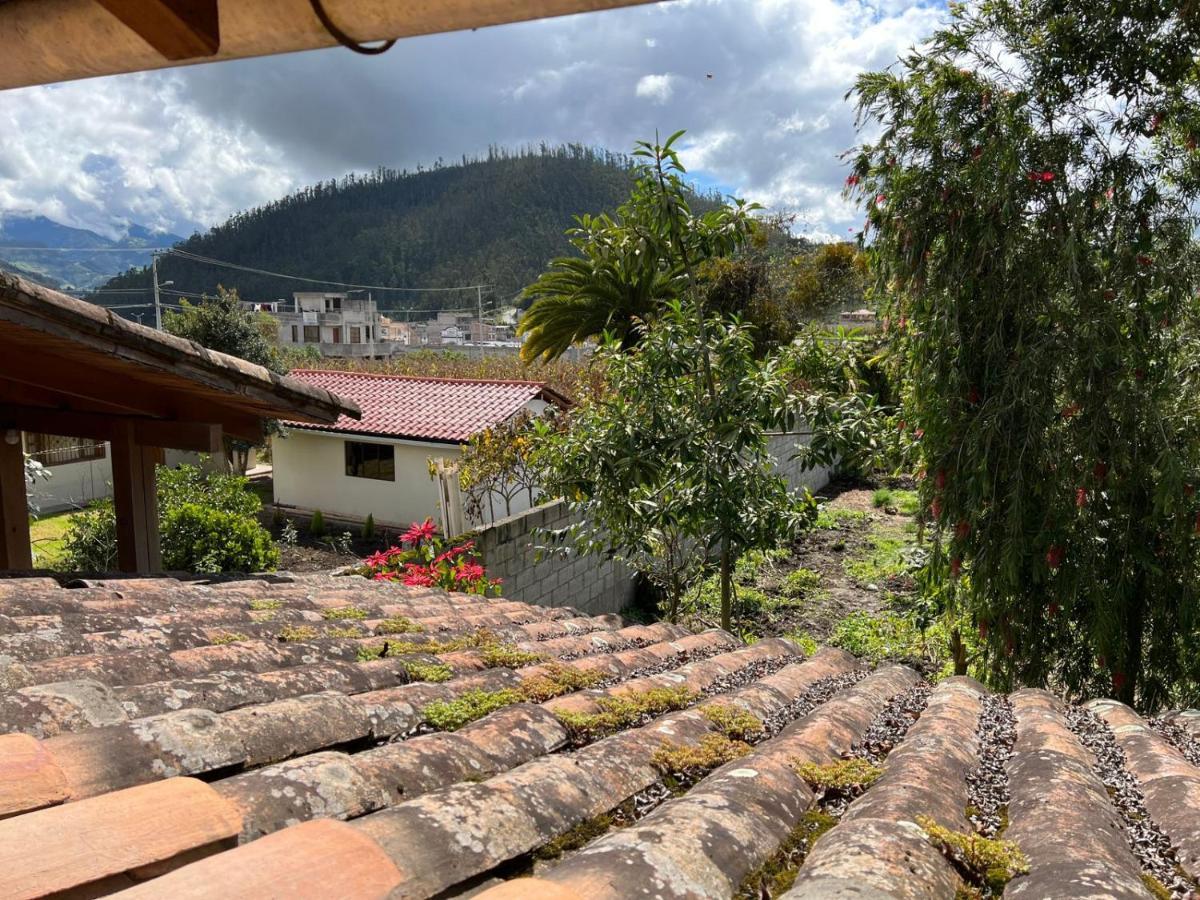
(495, 221)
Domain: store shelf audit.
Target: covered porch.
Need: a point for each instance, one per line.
(71, 368)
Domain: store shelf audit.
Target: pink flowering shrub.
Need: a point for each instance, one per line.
(424, 559)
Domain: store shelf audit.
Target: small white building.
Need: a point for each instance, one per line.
(380, 465)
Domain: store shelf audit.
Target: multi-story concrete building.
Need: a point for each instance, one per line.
(337, 324)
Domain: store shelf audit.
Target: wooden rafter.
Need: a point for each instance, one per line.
(178, 29)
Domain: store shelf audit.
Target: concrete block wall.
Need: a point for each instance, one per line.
(783, 447)
(591, 584)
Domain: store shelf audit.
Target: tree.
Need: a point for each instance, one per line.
(626, 273)
(672, 480)
(497, 464)
(669, 466)
(831, 278)
(219, 323)
(1031, 201)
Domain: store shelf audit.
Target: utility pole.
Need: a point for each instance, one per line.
(479, 301)
(157, 301)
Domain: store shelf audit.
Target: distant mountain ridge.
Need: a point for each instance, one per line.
(495, 221)
(80, 258)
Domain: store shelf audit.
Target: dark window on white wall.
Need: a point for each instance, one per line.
(371, 461)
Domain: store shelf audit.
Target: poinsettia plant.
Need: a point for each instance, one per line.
(425, 559)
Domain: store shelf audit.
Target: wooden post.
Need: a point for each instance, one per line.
(15, 552)
(136, 500)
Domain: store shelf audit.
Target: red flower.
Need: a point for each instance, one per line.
(468, 572)
(418, 579)
(983, 629)
(973, 395)
(1100, 471)
(1047, 176)
(1155, 122)
(955, 567)
(1055, 556)
(385, 576)
(1070, 410)
(1052, 609)
(919, 433)
(1188, 490)
(1102, 661)
(880, 199)
(1145, 260)
(376, 560)
(394, 553)
(939, 480)
(424, 531)
(976, 152)
(851, 180)
(1118, 682)
(901, 425)
(1080, 498)
(961, 529)
(936, 507)
(1110, 294)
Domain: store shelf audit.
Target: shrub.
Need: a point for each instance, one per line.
(203, 539)
(622, 711)
(556, 679)
(344, 612)
(368, 529)
(693, 763)
(881, 498)
(505, 656)
(423, 559)
(207, 523)
(316, 525)
(800, 582)
(292, 633)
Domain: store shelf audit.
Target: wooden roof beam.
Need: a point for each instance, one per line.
(178, 29)
(200, 437)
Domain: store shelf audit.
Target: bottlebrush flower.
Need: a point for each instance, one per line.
(1080, 498)
(961, 529)
(1047, 176)
(1071, 409)
(936, 507)
(1144, 260)
(955, 567)
(1055, 556)
(983, 629)
(1118, 682)
(851, 180)
(1100, 471)
(939, 480)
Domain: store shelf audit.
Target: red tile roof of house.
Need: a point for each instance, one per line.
(448, 410)
(290, 736)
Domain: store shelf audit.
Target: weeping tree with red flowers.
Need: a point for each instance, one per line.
(1031, 180)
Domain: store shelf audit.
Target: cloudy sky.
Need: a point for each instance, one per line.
(183, 148)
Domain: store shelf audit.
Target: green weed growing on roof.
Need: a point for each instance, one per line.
(733, 723)
(845, 775)
(453, 714)
(344, 631)
(579, 836)
(980, 861)
(620, 712)
(433, 672)
(555, 679)
(777, 875)
(292, 633)
(228, 637)
(265, 604)
(398, 625)
(344, 612)
(691, 763)
(506, 656)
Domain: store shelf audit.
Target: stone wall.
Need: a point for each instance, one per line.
(591, 584)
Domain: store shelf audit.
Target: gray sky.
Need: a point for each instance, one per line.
(184, 148)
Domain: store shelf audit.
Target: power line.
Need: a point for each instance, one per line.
(183, 254)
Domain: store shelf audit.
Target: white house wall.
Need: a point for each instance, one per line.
(72, 485)
(310, 473)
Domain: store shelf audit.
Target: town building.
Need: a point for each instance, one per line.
(381, 465)
(337, 324)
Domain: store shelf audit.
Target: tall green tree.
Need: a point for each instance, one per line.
(672, 459)
(626, 270)
(219, 323)
(1030, 205)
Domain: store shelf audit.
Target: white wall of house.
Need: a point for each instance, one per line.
(310, 473)
(72, 485)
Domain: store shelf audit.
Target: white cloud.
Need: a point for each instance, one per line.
(759, 85)
(657, 88)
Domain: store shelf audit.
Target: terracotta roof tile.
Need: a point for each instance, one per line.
(448, 410)
(326, 773)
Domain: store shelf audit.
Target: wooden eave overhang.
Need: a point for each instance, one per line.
(65, 357)
(47, 41)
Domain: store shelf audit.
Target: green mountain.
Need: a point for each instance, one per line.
(60, 256)
(493, 221)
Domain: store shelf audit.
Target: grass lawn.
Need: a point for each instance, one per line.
(46, 535)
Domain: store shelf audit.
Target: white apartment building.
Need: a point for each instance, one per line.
(337, 324)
